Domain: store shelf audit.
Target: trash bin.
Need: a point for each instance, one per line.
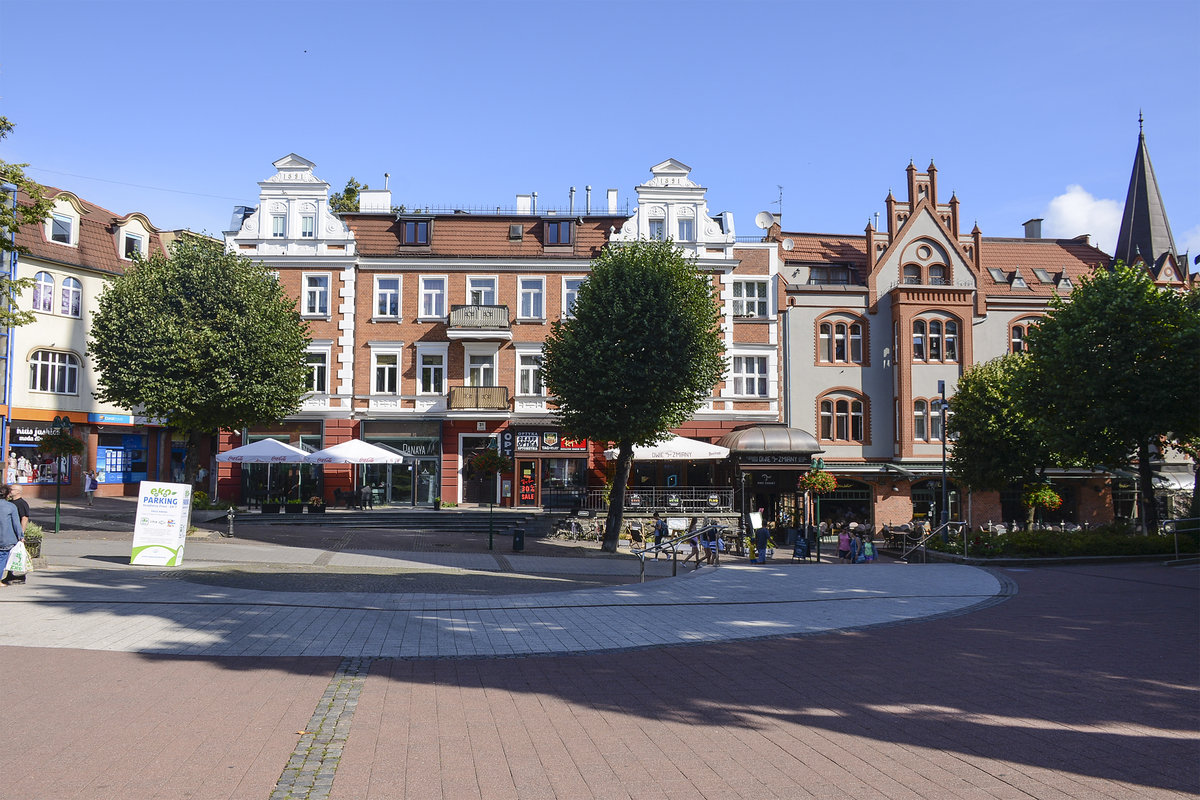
(518, 539)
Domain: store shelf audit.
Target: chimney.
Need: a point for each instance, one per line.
(1033, 229)
(524, 202)
(588, 188)
(612, 201)
(375, 201)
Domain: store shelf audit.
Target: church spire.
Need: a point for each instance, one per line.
(1144, 227)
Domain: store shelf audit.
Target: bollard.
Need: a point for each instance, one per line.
(229, 518)
(518, 539)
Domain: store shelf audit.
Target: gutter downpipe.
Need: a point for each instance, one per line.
(6, 417)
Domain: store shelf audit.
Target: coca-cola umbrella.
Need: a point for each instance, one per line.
(355, 451)
(264, 451)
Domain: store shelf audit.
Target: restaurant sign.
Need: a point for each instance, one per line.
(549, 441)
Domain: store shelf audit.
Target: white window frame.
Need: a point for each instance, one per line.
(380, 352)
(750, 382)
(480, 365)
(69, 220)
(43, 292)
(433, 300)
(135, 239)
(279, 226)
(920, 420)
(532, 290)
(485, 286)
(658, 229)
(756, 306)
(54, 372)
(313, 294)
(380, 293)
(529, 375)
(569, 293)
(316, 369)
(71, 289)
(439, 351)
(308, 226)
(688, 235)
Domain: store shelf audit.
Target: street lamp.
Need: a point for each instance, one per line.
(11, 190)
(818, 465)
(945, 515)
(61, 425)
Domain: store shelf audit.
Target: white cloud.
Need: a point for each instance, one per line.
(1076, 212)
(1189, 242)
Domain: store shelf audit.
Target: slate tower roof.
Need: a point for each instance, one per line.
(1145, 233)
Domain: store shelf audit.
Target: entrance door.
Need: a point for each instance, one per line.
(476, 487)
(527, 482)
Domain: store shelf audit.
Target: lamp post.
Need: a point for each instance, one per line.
(945, 515)
(11, 190)
(62, 426)
(818, 464)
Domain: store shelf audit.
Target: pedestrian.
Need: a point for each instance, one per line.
(90, 484)
(761, 538)
(11, 532)
(844, 546)
(660, 531)
(868, 548)
(368, 496)
(14, 496)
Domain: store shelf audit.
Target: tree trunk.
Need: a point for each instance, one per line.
(191, 461)
(1149, 504)
(616, 498)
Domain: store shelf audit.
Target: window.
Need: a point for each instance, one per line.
(530, 374)
(133, 245)
(951, 340)
(318, 371)
(72, 298)
(531, 291)
(387, 368)
(935, 420)
(658, 229)
(558, 232)
(387, 297)
(935, 340)
(570, 292)
(433, 297)
(912, 274)
(481, 291)
(415, 232)
(686, 230)
(433, 373)
(937, 275)
(308, 226)
(50, 371)
(818, 275)
(750, 299)
(43, 292)
(1017, 345)
(842, 419)
(60, 229)
(920, 412)
(316, 295)
(856, 343)
(278, 226)
(516, 232)
(481, 370)
(840, 340)
(918, 340)
(825, 342)
(750, 376)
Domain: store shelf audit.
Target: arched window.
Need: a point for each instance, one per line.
(935, 340)
(951, 340)
(937, 275)
(50, 371)
(1019, 332)
(43, 292)
(918, 340)
(912, 274)
(856, 343)
(72, 298)
(920, 413)
(825, 346)
(843, 419)
(840, 340)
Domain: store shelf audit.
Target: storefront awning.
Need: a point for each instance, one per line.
(770, 446)
(674, 448)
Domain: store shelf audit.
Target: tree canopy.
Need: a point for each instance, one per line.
(640, 352)
(347, 199)
(33, 212)
(204, 339)
(1114, 368)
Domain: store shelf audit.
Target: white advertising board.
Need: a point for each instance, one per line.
(160, 530)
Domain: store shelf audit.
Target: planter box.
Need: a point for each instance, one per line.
(293, 508)
(316, 509)
(270, 508)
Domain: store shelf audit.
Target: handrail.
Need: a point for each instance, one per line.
(1173, 525)
(662, 546)
(944, 527)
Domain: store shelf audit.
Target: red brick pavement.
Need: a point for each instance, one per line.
(1084, 685)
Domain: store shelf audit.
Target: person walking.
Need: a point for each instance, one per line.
(11, 532)
(90, 484)
(844, 546)
(660, 531)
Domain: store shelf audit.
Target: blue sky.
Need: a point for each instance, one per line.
(1029, 109)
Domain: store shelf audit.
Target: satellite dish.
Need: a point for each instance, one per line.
(788, 244)
(764, 220)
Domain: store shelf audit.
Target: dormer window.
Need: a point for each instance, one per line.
(558, 232)
(414, 232)
(133, 245)
(61, 229)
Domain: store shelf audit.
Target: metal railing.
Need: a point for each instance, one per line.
(1172, 526)
(680, 500)
(489, 398)
(954, 526)
(670, 544)
(476, 317)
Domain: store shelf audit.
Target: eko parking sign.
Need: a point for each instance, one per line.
(160, 530)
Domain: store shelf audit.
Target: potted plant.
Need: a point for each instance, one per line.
(271, 507)
(33, 539)
(316, 505)
(293, 507)
(437, 504)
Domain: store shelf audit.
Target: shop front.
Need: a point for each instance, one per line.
(284, 482)
(27, 464)
(768, 459)
(416, 481)
(550, 467)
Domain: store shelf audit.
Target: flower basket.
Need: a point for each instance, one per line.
(817, 481)
(293, 508)
(1042, 496)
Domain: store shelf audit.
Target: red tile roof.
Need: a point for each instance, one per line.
(477, 236)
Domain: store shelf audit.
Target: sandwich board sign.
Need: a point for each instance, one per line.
(160, 529)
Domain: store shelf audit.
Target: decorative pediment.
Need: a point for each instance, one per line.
(670, 173)
(294, 169)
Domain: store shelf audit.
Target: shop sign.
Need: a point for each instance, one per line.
(528, 487)
(773, 458)
(551, 441)
(765, 480)
(160, 529)
(507, 442)
(714, 500)
(673, 500)
(28, 434)
(414, 446)
(527, 440)
(573, 444)
(635, 500)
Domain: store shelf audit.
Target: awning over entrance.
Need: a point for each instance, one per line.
(769, 445)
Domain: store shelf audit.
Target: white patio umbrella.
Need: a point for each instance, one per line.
(355, 451)
(264, 451)
(674, 448)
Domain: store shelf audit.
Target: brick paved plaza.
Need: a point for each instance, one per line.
(951, 682)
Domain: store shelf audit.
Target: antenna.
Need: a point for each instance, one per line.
(779, 202)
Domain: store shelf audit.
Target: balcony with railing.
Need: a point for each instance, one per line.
(479, 322)
(478, 398)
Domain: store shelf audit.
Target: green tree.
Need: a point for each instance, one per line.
(32, 212)
(1113, 369)
(204, 339)
(640, 353)
(347, 199)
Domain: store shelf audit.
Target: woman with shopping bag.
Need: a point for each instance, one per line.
(12, 542)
